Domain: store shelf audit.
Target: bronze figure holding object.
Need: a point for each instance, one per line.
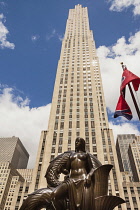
(85, 185)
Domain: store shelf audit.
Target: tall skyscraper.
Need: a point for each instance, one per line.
(13, 151)
(78, 105)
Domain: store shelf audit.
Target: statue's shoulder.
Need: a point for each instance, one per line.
(61, 156)
(69, 152)
(56, 167)
(95, 162)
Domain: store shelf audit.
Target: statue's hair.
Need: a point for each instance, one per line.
(83, 143)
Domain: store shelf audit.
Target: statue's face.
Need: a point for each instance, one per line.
(78, 143)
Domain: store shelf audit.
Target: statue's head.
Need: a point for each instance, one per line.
(80, 144)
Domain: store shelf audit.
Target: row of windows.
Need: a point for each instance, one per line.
(70, 124)
(69, 143)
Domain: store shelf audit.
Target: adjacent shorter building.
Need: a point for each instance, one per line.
(131, 192)
(14, 177)
(128, 151)
(122, 146)
(134, 158)
(13, 151)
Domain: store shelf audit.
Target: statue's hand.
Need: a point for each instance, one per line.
(64, 171)
(88, 180)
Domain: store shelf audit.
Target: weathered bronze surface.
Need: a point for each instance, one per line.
(85, 185)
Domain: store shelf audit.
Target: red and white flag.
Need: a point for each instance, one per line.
(128, 77)
(122, 108)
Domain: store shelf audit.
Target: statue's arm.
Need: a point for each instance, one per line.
(90, 165)
(66, 168)
(91, 170)
(56, 167)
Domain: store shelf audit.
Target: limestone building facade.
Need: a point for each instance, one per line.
(78, 105)
(14, 186)
(131, 192)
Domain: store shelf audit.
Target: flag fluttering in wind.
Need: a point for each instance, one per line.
(128, 77)
(122, 108)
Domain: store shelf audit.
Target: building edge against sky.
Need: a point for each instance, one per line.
(78, 105)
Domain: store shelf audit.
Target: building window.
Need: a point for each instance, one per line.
(92, 124)
(86, 133)
(134, 200)
(93, 133)
(60, 141)
(86, 123)
(62, 125)
(56, 126)
(18, 198)
(69, 133)
(53, 150)
(70, 124)
(61, 134)
(93, 140)
(57, 111)
(87, 140)
(52, 157)
(78, 124)
(94, 149)
(59, 149)
(132, 189)
(69, 141)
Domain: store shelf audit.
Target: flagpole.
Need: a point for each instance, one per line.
(132, 95)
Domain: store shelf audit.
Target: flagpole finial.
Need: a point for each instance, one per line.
(123, 66)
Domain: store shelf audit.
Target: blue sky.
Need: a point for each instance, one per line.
(31, 33)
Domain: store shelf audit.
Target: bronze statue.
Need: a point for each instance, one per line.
(85, 185)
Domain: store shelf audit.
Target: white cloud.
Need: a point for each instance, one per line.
(110, 58)
(54, 34)
(124, 128)
(51, 35)
(60, 37)
(3, 4)
(18, 119)
(3, 35)
(119, 5)
(35, 37)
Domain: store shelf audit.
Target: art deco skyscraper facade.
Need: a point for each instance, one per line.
(78, 106)
(128, 151)
(134, 157)
(122, 145)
